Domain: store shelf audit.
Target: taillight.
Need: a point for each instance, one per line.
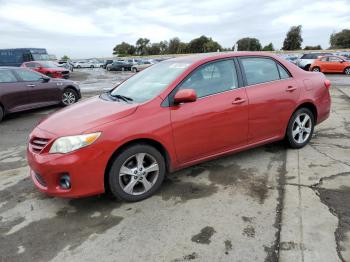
(327, 83)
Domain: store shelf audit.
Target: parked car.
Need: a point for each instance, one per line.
(175, 114)
(133, 61)
(86, 64)
(66, 64)
(291, 58)
(119, 66)
(306, 60)
(331, 64)
(48, 68)
(22, 89)
(140, 66)
(107, 62)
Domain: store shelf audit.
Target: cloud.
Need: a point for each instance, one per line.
(91, 28)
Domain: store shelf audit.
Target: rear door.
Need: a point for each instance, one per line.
(13, 94)
(218, 120)
(272, 94)
(335, 64)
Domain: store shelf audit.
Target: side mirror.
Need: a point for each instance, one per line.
(45, 79)
(185, 96)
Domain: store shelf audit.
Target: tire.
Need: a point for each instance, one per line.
(131, 185)
(69, 97)
(91, 66)
(316, 69)
(108, 69)
(306, 68)
(78, 66)
(134, 69)
(298, 135)
(347, 71)
(1, 113)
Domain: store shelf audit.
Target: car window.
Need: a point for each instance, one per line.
(27, 75)
(334, 59)
(324, 59)
(212, 78)
(30, 65)
(283, 72)
(6, 76)
(259, 70)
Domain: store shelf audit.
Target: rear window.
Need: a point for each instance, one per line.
(259, 70)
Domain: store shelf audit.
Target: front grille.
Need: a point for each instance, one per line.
(40, 179)
(37, 144)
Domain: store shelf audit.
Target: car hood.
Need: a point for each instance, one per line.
(85, 115)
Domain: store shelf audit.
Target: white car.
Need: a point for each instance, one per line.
(87, 64)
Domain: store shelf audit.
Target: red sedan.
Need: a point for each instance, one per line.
(172, 115)
(48, 68)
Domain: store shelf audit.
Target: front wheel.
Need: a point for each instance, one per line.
(347, 71)
(300, 128)
(134, 69)
(69, 97)
(136, 173)
(316, 69)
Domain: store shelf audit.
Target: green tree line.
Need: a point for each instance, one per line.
(204, 44)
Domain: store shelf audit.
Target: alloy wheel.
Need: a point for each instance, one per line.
(316, 69)
(347, 71)
(68, 98)
(138, 174)
(302, 128)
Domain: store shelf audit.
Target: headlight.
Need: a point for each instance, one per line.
(68, 144)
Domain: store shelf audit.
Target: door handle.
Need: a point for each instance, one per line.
(31, 85)
(238, 100)
(291, 88)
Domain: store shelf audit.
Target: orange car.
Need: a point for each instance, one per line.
(331, 64)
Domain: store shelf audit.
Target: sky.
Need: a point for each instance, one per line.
(91, 28)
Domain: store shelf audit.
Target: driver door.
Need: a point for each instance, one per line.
(218, 120)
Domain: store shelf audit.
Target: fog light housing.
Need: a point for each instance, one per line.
(64, 182)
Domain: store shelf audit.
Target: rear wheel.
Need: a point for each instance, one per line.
(300, 128)
(91, 66)
(78, 66)
(136, 173)
(316, 69)
(347, 71)
(69, 97)
(307, 67)
(134, 69)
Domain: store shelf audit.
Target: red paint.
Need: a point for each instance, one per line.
(190, 132)
(54, 72)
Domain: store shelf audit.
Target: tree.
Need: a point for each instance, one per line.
(154, 49)
(341, 39)
(293, 39)
(269, 47)
(248, 44)
(212, 46)
(316, 47)
(164, 47)
(142, 45)
(124, 49)
(174, 45)
(197, 45)
(65, 58)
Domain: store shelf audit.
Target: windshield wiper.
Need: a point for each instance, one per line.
(124, 98)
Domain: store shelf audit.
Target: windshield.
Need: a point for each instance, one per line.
(48, 64)
(37, 57)
(148, 83)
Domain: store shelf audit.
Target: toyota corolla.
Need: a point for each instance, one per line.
(172, 115)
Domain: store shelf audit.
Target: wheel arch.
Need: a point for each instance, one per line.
(72, 87)
(152, 142)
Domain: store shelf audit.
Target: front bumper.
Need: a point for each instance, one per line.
(86, 168)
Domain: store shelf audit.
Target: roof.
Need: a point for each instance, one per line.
(217, 55)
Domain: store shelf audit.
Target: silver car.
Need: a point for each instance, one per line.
(306, 60)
